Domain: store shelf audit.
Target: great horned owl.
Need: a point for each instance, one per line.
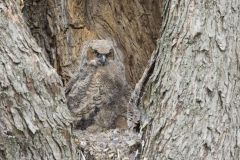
(98, 94)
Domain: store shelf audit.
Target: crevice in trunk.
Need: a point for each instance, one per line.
(61, 29)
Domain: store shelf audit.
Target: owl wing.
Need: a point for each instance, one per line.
(70, 84)
(77, 87)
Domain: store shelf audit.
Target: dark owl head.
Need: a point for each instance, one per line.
(100, 56)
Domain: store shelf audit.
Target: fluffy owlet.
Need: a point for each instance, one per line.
(98, 94)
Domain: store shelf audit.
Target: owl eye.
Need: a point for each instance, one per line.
(96, 53)
(111, 54)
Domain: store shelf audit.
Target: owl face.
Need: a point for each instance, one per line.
(100, 56)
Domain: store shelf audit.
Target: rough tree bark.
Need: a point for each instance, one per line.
(34, 118)
(190, 94)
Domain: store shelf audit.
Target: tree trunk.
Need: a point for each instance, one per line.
(190, 95)
(34, 119)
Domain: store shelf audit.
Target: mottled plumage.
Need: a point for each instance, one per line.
(98, 95)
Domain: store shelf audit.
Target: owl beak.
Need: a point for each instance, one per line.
(103, 59)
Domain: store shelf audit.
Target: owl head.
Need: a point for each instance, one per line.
(100, 53)
(99, 56)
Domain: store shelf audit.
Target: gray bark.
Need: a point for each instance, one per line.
(190, 91)
(34, 118)
(47, 21)
(188, 95)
